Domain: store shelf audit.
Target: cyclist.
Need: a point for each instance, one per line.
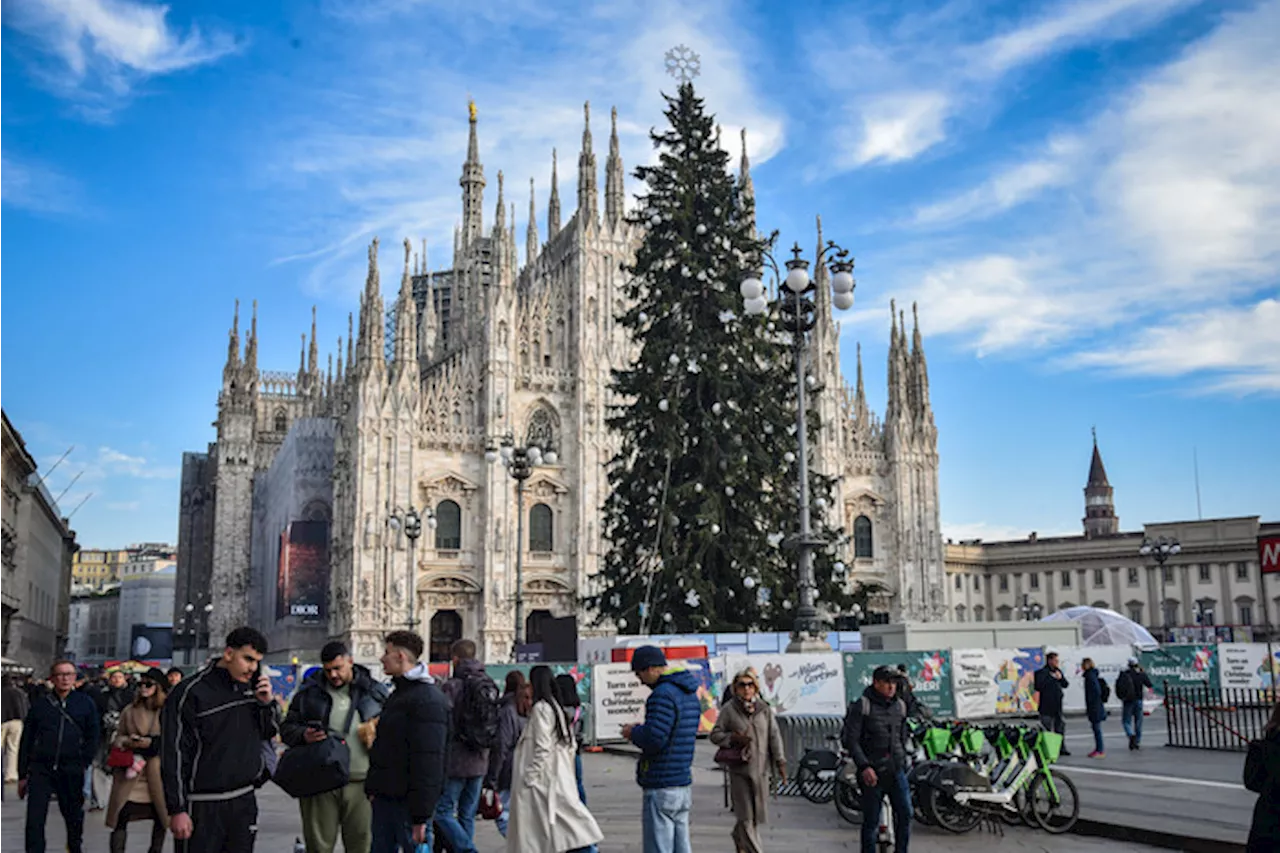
(875, 736)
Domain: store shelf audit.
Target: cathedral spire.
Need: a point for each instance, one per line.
(822, 283)
(251, 349)
(472, 183)
(746, 189)
(302, 365)
(919, 369)
(553, 206)
(405, 359)
(372, 337)
(233, 343)
(614, 192)
(860, 410)
(428, 328)
(313, 356)
(514, 259)
(531, 235)
(895, 403)
(351, 336)
(588, 202)
(338, 376)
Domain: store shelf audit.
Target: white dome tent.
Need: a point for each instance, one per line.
(1102, 627)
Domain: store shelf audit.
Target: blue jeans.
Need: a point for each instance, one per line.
(665, 819)
(577, 772)
(392, 829)
(503, 819)
(895, 785)
(456, 812)
(1097, 736)
(1132, 718)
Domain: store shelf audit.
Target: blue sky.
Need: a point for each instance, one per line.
(1083, 195)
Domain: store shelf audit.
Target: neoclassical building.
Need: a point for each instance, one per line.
(515, 343)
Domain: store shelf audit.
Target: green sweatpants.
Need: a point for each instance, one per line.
(346, 808)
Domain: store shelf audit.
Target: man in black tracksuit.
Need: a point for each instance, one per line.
(211, 732)
(59, 739)
(1051, 684)
(874, 735)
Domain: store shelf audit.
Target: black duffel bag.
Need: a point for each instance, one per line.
(314, 768)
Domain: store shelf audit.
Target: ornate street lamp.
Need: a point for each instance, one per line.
(1030, 612)
(519, 462)
(798, 316)
(1161, 550)
(411, 522)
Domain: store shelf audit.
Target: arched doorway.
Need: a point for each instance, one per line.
(533, 625)
(446, 629)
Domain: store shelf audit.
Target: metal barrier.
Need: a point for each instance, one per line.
(1227, 718)
(800, 733)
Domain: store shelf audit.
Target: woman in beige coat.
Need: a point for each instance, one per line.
(547, 815)
(136, 793)
(746, 722)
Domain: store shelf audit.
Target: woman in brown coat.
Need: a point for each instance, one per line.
(746, 722)
(136, 792)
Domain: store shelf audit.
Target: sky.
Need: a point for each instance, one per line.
(1083, 196)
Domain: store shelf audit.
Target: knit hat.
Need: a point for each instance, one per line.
(156, 674)
(647, 656)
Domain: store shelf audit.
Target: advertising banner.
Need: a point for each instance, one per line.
(618, 697)
(1110, 661)
(1181, 666)
(1269, 554)
(930, 674)
(796, 684)
(302, 580)
(1244, 665)
(991, 682)
(284, 680)
(581, 676)
(151, 641)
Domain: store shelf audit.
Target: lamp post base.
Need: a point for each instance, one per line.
(807, 643)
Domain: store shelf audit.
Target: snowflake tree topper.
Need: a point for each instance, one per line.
(683, 64)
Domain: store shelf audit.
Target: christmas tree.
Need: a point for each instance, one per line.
(703, 491)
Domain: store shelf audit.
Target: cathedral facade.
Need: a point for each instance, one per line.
(510, 346)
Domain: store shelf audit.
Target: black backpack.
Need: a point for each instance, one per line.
(1126, 689)
(475, 714)
(1255, 766)
(1105, 689)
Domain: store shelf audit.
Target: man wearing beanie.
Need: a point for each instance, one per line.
(666, 740)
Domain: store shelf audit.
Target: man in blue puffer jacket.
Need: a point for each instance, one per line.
(666, 738)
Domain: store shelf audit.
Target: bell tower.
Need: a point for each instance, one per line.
(1099, 504)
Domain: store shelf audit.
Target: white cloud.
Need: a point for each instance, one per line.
(34, 186)
(942, 71)
(965, 531)
(1240, 346)
(95, 52)
(111, 463)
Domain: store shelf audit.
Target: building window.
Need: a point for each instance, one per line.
(979, 613)
(1246, 614)
(977, 583)
(281, 421)
(1098, 578)
(1166, 574)
(862, 544)
(446, 629)
(1204, 573)
(1135, 613)
(1242, 571)
(1004, 583)
(1171, 612)
(448, 526)
(1133, 576)
(540, 536)
(1066, 580)
(1035, 580)
(959, 612)
(959, 580)
(1005, 612)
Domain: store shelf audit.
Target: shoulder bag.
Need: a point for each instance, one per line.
(314, 768)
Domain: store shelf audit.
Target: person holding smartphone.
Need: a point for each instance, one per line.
(136, 792)
(212, 729)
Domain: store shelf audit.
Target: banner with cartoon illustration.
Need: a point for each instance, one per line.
(930, 674)
(796, 684)
(618, 697)
(284, 680)
(1245, 665)
(1110, 661)
(1193, 665)
(581, 676)
(990, 682)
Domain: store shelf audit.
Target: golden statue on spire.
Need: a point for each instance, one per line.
(471, 108)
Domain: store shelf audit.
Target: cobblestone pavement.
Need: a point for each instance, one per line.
(795, 825)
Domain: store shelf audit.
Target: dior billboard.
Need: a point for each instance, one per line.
(302, 582)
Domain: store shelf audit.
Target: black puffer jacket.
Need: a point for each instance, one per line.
(211, 733)
(312, 703)
(407, 761)
(875, 739)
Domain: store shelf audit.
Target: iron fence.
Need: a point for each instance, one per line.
(800, 733)
(1226, 718)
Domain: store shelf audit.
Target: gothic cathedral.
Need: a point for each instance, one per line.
(498, 347)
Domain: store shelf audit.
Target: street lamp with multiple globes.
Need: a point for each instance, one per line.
(1161, 550)
(194, 625)
(411, 522)
(519, 462)
(798, 316)
(1029, 611)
